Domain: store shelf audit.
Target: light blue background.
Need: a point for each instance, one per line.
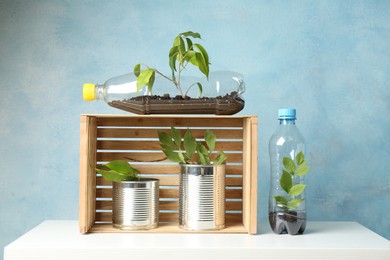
(328, 59)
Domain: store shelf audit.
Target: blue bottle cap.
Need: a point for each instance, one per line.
(287, 113)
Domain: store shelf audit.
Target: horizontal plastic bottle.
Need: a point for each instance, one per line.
(287, 141)
(223, 88)
(117, 88)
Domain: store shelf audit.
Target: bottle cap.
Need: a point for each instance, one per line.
(287, 113)
(89, 91)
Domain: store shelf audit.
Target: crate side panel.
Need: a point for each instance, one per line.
(87, 173)
(250, 175)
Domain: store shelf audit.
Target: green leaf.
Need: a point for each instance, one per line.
(189, 144)
(220, 158)
(202, 64)
(296, 189)
(189, 44)
(202, 159)
(281, 201)
(289, 164)
(151, 81)
(203, 154)
(181, 157)
(200, 88)
(210, 139)
(302, 170)
(191, 34)
(143, 78)
(205, 65)
(168, 148)
(190, 56)
(174, 156)
(166, 139)
(182, 47)
(173, 52)
(286, 181)
(204, 53)
(300, 158)
(176, 136)
(112, 175)
(176, 41)
(292, 204)
(137, 69)
(120, 166)
(118, 170)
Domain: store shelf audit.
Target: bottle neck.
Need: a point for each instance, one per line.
(99, 92)
(286, 121)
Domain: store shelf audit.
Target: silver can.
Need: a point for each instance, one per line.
(202, 197)
(135, 204)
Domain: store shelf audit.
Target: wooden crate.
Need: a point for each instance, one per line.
(134, 138)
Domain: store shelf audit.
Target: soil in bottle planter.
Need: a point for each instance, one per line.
(292, 222)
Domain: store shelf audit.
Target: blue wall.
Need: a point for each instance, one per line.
(329, 59)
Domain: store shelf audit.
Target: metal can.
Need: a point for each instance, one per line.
(202, 197)
(135, 204)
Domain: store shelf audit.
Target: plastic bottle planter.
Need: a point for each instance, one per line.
(202, 197)
(286, 212)
(135, 204)
(291, 222)
(221, 95)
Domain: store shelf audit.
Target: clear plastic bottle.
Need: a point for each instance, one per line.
(117, 88)
(287, 141)
(221, 94)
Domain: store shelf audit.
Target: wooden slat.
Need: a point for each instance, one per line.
(171, 193)
(155, 145)
(149, 157)
(175, 169)
(171, 181)
(168, 205)
(163, 217)
(132, 157)
(175, 121)
(152, 133)
(231, 227)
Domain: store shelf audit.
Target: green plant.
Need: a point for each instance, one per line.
(182, 53)
(291, 171)
(117, 171)
(185, 151)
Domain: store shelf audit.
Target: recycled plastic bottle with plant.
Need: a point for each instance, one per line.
(286, 211)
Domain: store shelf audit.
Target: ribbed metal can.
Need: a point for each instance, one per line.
(202, 197)
(135, 204)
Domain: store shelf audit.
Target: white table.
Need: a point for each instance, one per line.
(322, 240)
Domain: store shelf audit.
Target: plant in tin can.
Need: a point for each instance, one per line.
(188, 150)
(118, 170)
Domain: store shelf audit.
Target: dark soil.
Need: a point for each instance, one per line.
(220, 105)
(292, 222)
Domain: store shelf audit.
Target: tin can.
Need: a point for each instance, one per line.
(202, 197)
(135, 204)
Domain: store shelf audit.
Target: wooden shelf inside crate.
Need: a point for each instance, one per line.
(134, 138)
(231, 228)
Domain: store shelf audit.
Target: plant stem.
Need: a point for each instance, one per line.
(185, 94)
(178, 80)
(161, 74)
